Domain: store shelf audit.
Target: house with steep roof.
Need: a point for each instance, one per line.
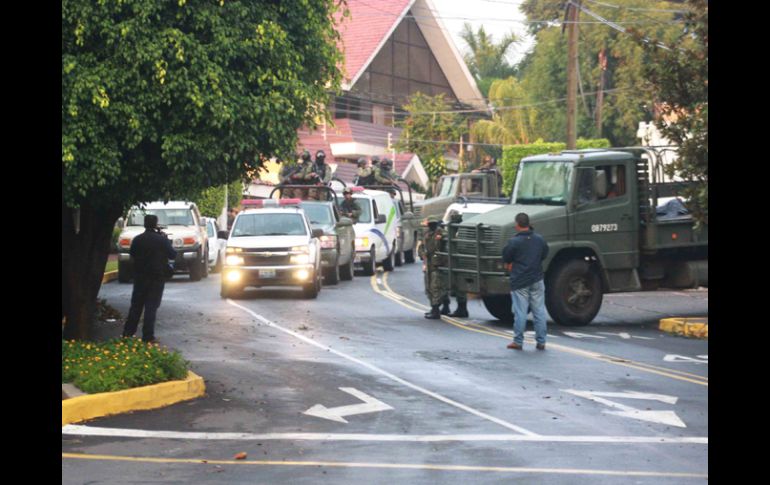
(392, 50)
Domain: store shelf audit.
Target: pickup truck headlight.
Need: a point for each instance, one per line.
(328, 242)
(362, 243)
(233, 260)
(301, 249)
(300, 259)
(230, 250)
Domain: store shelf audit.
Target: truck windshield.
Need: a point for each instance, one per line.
(269, 225)
(543, 183)
(318, 213)
(166, 217)
(447, 186)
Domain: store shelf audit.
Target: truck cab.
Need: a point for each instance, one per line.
(595, 209)
(450, 187)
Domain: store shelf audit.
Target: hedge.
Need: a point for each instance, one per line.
(513, 154)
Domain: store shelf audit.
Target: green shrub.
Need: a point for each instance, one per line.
(513, 154)
(118, 364)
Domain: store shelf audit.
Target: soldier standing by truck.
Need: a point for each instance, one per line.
(435, 287)
(365, 175)
(324, 173)
(306, 175)
(290, 167)
(462, 297)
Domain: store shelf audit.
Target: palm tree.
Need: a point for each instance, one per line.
(486, 59)
(513, 122)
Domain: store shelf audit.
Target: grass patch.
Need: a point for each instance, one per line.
(111, 266)
(118, 364)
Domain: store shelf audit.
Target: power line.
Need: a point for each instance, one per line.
(661, 10)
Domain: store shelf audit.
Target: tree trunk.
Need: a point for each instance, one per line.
(86, 238)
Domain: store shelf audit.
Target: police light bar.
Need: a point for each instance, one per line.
(356, 189)
(262, 203)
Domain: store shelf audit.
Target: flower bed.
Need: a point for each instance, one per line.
(119, 364)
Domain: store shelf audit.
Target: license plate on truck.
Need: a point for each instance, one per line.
(267, 273)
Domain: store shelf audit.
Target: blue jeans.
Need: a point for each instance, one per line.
(524, 299)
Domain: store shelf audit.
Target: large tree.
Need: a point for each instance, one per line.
(609, 60)
(677, 80)
(161, 99)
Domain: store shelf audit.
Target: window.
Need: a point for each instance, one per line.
(166, 217)
(543, 183)
(269, 225)
(318, 214)
(610, 181)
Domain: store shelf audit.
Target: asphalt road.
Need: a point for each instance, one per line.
(356, 386)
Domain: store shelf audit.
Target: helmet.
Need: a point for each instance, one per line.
(455, 216)
(320, 155)
(361, 161)
(375, 160)
(347, 191)
(386, 162)
(305, 156)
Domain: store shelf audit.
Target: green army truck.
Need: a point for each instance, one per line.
(450, 187)
(596, 210)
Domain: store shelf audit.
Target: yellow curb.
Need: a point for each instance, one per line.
(155, 396)
(687, 327)
(110, 276)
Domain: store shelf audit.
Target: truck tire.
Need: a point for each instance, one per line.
(390, 261)
(332, 276)
(500, 307)
(312, 289)
(205, 264)
(124, 273)
(409, 255)
(230, 292)
(346, 271)
(573, 293)
(196, 271)
(371, 267)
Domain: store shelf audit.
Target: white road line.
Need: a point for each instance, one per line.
(393, 377)
(80, 430)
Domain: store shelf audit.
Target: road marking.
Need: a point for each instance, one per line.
(684, 358)
(377, 370)
(82, 430)
(370, 405)
(402, 466)
(626, 336)
(662, 417)
(662, 371)
(579, 335)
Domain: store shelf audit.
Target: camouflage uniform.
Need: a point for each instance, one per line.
(435, 285)
(324, 173)
(289, 168)
(461, 296)
(382, 173)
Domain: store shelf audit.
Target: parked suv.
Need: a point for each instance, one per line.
(338, 248)
(181, 221)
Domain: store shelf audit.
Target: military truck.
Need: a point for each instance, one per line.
(450, 187)
(597, 211)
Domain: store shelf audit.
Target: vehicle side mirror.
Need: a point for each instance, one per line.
(317, 233)
(381, 219)
(344, 221)
(222, 235)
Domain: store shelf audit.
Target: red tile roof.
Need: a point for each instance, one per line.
(369, 23)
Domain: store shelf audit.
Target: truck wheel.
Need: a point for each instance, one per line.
(346, 272)
(196, 272)
(500, 307)
(124, 273)
(332, 276)
(230, 292)
(205, 264)
(409, 255)
(390, 261)
(371, 267)
(312, 289)
(573, 294)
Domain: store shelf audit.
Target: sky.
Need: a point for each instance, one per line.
(498, 17)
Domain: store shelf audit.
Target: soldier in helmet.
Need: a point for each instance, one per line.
(462, 297)
(324, 173)
(364, 176)
(435, 286)
(289, 168)
(383, 174)
(306, 175)
(348, 207)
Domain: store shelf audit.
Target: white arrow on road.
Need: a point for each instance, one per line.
(581, 335)
(663, 417)
(370, 405)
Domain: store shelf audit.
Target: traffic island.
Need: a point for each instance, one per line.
(686, 327)
(89, 406)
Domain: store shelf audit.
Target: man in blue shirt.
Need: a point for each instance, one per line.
(524, 255)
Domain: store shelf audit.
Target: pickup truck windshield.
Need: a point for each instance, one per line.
(269, 225)
(447, 186)
(543, 183)
(166, 217)
(318, 214)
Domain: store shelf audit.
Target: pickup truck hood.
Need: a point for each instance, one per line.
(258, 242)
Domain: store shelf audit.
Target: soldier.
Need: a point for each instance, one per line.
(434, 283)
(306, 175)
(348, 207)
(324, 173)
(461, 296)
(288, 169)
(383, 174)
(365, 175)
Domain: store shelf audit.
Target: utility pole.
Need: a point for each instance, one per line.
(572, 59)
(600, 93)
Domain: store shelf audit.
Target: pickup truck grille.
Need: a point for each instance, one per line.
(266, 257)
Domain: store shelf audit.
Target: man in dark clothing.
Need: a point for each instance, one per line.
(150, 252)
(349, 208)
(524, 255)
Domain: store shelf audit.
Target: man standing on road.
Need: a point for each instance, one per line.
(434, 283)
(524, 255)
(150, 252)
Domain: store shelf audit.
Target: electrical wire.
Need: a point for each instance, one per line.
(640, 9)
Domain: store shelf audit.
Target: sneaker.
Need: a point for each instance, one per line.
(540, 346)
(514, 345)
